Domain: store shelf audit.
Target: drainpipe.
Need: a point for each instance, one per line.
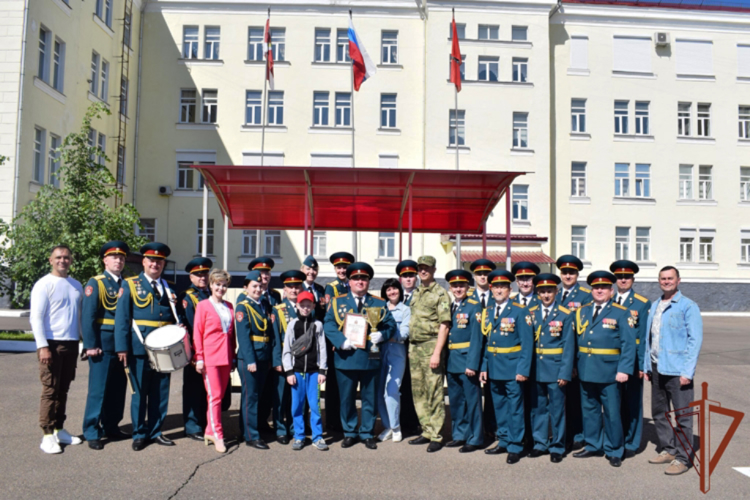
(138, 104)
(17, 159)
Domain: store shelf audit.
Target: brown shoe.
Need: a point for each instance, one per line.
(662, 458)
(676, 468)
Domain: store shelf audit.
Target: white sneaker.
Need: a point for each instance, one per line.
(49, 444)
(64, 437)
(397, 437)
(386, 435)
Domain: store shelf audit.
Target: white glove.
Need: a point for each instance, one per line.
(376, 337)
(346, 346)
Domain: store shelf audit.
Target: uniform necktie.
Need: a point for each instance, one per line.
(524, 301)
(156, 290)
(453, 308)
(406, 297)
(619, 299)
(596, 312)
(497, 311)
(565, 294)
(544, 316)
(484, 300)
(360, 303)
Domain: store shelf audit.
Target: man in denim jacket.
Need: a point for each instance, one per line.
(673, 342)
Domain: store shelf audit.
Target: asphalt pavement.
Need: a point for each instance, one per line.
(394, 470)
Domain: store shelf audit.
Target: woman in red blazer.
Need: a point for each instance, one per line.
(214, 339)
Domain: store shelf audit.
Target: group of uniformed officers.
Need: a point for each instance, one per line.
(561, 366)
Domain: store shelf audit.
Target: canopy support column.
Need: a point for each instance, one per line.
(306, 214)
(411, 252)
(507, 229)
(204, 231)
(484, 240)
(226, 242)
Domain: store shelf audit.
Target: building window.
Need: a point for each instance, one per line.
(460, 30)
(642, 244)
(489, 32)
(272, 246)
(632, 54)
(255, 44)
(104, 89)
(319, 244)
(276, 108)
(190, 42)
(278, 44)
(320, 109)
(212, 36)
(705, 182)
(387, 110)
(622, 179)
(622, 243)
(253, 106)
(40, 139)
(120, 165)
(745, 183)
(343, 109)
(520, 69)
(578, 179)
(102, 145)
(209, 237)
(94, 85)
(462, 68)
(704, 120)
(744, 114)
(694, 57)
(390, 47)
(210, 100)
(578, 115)
(43, 70)
(579, 52)
(520, 202)
(342, 46)
(186, 175)
(745, 245)
(54, 160)
(187, 106)
(457, 131)
(147, 229)
(520, 33)
(58, 65)
(92, 144)
(706, 245)
(578, 241)
(686, 182)
(520, 130)
(322, 45)
(249, 242)
(124, 96)
(643, 180)
(621, 117)
(104, 11)
(683, 118)
(641, 118)
(488, 68)
(126, 28)
(687, 245)
(387, 245)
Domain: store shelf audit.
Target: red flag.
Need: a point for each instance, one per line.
(269, 53)
(455, 59)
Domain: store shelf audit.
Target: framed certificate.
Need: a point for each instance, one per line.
(355, 330)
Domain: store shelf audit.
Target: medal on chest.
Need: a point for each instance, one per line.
(555, 328)
(573, 305)
(633, 319)
(462, 319)
(507, 325)
(609, 323)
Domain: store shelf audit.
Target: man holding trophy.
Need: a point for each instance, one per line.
(355, 324)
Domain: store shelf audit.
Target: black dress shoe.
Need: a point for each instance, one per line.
(468, 448)
(160, 439)
(139, 444)
(117, 435)
(455, 443)
(588, 454)
(258, 444)
(434, 446)
(615, 461)
(555, 458)
(629, 453)
(577, 445)
(371, 443)
(282, 439)
(198, 436)
(419, 440)
(96, 444)
(496, 450)
(348, 442)
(536, 453)
(513, 458)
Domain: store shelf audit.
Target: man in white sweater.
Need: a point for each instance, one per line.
(56, 323)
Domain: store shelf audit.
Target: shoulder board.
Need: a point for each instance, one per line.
(534, 308)
(563, 309)
(519, 305)
(640, 297)
(377, 298)
(470, 292)
(615, 304)
(584, 289)
(244, 303)
(471, 301)
(333, 283)
(280, 306)
(132, 278)
(514, 295)
(190, 291)
(586, 304)
(100, 277)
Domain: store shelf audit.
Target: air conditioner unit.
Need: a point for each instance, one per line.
(662, 39)
(165, 190)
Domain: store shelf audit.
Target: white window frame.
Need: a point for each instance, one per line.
(149, 229)
(745, 246)
(460, 31)
(210, 240)
(488, 64)
(188, 105)
(745, 183)
(53, 160)
(453, 134)
(101, 143)
(687, 183)
(253, 107)
(578, 115)
(389, 47)
(386, 245)
(743, 114)
(104, 11)
(343, 109)
(642, 118)
(319, 244)
(520, 69)
(322, 45)
(121, 166)
(40, 146)
(276, 107)
(622, 112)
(95, 62)
(520, 130)
(209, 105)
(342, 47)
(622, 180)
(278, 44)
(684, 119)
(249, 243)
(579, 53)
(578, 179)
(321, 108)
(706, 241)
(45, 37)
(124, 85)
(703, 120)
(211, 42)
(255, 43)
(388, 111)
(127, 28)
(462, 69)
(190, 42)
(622, 242)
(104, 88)
(272, 243)
(642, 244)
(186, 175)
(705, 182)
(520, 202)
(486, 32)
(58, 65)
(578, 241)
(687, 250)
(519, 33)
(642, 180)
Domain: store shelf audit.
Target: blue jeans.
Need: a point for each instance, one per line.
(393, 362)
(306, 387)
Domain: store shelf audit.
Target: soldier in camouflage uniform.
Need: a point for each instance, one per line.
(428, 333)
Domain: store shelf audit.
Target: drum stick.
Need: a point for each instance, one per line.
(130, 384)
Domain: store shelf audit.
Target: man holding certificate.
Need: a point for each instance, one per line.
(355, 324)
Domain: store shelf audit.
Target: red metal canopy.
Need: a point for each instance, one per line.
(356, 199)
(537, 257)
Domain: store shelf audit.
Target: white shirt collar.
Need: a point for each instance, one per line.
(623, 295)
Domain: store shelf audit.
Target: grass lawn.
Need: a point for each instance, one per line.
(16, 336)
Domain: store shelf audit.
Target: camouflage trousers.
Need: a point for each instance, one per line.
(427, 389)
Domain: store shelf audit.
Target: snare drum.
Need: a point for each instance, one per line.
(168, 348)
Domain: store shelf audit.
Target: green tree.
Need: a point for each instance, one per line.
(79, 213)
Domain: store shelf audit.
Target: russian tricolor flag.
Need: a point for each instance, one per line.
(363, 66)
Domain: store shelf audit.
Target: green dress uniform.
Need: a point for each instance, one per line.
(194, 398)
(465, 351)
(319, 292)
(283, 314)
(141, 304)
(488, 412)
(105, 402)
(336, 289)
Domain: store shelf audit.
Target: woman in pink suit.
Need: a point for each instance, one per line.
(214, 339)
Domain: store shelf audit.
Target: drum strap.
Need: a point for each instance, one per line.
(171, 305)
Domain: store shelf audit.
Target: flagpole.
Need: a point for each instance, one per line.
(354, 234)
(264, 111)
(455, 117)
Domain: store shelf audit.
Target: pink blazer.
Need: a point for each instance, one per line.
(211, 344)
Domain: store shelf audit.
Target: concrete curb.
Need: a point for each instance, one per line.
(727, 314)
(14, 313)
(17, 346)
